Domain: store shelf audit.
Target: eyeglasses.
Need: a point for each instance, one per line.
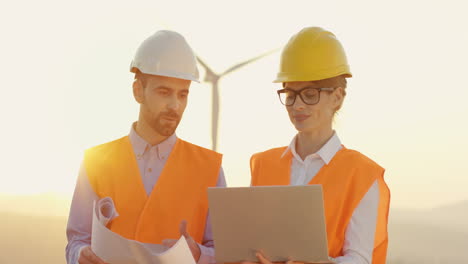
(309, 96)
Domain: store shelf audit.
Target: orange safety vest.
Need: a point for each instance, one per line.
(179, 194)
(345, 180)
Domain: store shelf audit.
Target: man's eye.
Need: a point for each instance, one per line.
(163, 92)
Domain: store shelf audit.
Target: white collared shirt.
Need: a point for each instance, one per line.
(360, 232)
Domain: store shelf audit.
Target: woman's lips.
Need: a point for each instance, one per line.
(300, 118)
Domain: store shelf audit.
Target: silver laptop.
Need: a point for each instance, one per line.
(282, 221)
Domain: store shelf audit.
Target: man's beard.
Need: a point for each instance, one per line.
(163, 127)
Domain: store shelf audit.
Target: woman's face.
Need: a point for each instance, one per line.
(319, 116)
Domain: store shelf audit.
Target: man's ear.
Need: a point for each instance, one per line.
(138, 91)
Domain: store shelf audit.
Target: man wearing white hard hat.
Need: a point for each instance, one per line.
(157, 181)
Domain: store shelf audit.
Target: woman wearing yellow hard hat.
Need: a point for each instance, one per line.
(313, 72)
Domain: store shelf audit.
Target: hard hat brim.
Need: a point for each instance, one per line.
(306, 77)
(167, 74)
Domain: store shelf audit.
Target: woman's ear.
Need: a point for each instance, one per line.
(338, 98)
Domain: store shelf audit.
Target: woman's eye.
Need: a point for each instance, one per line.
(310, 94)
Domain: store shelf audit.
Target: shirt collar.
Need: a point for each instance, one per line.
(140, 146)
(326, 152)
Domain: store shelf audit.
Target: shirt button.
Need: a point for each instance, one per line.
(139, 156)
(150, 170)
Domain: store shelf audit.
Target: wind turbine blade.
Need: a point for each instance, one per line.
(240, 65)
(204, 65)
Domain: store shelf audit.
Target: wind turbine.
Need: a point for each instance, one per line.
(213, 78)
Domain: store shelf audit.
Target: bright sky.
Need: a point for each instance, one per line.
(66, 86)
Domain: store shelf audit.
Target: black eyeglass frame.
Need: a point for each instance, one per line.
(298, 92)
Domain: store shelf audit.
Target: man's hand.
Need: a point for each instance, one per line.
(87, 256)
(264, 260)
(196, 252)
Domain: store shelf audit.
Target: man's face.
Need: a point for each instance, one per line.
(317, 117)
(162, 102)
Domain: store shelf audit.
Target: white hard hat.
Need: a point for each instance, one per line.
(166, 53)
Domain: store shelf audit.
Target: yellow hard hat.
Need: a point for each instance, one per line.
(312, 54)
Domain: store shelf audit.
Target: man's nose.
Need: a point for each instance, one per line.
(174, 103)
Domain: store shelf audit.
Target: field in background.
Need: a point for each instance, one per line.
(439, 235)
